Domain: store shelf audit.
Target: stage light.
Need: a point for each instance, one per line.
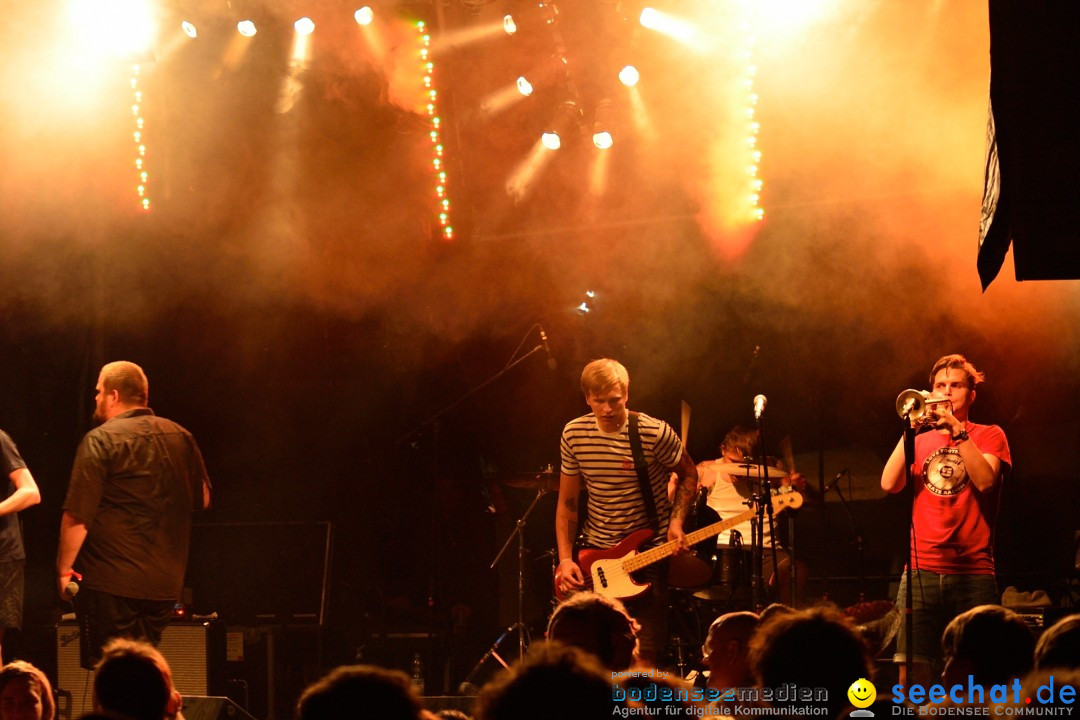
(629, 76)
(583, 308)
(509, 25)
(304, 26)
(669, 25)
(137, 136)
(438, 161)
(567, 116)
(246, 28)
(364, 15)
(650, 18)
(189, 29)
(602, 122)
(524, 86)
(124, 28)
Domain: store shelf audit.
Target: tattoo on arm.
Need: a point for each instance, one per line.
(571, 504)
(683, 498)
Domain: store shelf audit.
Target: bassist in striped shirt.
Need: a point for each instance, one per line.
(596, 448)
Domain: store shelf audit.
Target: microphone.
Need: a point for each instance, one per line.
(71, 590)
(835, 480)
(551, 363)
(759, 406)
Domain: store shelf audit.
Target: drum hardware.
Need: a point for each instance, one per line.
(749, 469)
(541, 481)
(546, 479)
(680, 656)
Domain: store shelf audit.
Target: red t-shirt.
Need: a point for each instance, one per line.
(953, 519)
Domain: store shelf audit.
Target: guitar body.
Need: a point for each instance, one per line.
(607, 572)
(603, 568)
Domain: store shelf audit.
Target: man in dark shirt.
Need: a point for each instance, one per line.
(20, 492)
(127, 517)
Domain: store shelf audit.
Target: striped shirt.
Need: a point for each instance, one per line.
(615, 506)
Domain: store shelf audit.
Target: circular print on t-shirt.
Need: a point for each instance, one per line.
(944, 472)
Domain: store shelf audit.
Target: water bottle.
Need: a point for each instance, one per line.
(417, 679)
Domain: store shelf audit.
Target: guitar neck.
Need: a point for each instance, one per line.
(658, 553)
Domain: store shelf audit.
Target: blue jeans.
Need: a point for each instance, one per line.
(937, 599)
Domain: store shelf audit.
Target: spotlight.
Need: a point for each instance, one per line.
(629, 76)
(304, 26)
(524, 86)
(246, 28)
(509, 25)
(119, 28)
(650, 18)
(189, 29)
(551, 140)
(670, 25)
(364, 15)
(602, 122)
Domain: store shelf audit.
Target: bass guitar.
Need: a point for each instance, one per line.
(607, 572)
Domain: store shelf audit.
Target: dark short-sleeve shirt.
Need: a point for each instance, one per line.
(136, 480)
(11, 544)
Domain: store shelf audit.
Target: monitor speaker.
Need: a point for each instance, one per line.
(195, 652)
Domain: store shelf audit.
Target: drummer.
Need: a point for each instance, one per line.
(728, 494)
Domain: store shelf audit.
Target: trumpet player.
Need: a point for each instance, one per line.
(957, 470)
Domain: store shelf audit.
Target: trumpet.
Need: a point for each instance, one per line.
(915, 405)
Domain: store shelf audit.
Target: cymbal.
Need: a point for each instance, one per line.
(546, 479)
(749, 469)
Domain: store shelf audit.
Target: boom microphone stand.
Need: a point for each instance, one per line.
(856, 532)
(434, 422)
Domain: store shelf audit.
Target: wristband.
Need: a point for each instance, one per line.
(961, 436)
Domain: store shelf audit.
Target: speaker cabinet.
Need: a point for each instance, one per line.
(213, 708)
(195, 652)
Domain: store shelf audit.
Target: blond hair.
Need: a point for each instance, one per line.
(604, 374)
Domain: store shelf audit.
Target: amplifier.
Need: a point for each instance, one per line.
(195, 652)
(213, 708)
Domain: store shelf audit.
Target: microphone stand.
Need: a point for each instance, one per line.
(468, 394)
(519, 530)
(436, 426)
(909, 612)
(856, 531)
(764, 506)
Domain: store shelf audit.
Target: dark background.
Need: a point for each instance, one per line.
(292, 306)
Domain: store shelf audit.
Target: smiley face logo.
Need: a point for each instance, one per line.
(862, 693)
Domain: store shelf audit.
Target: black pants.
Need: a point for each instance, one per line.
(650, 609)
(103, 616)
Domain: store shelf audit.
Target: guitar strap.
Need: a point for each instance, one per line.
(642, 469)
